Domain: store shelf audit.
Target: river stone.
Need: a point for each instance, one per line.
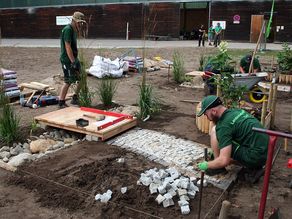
(41, 145)
(20, 159)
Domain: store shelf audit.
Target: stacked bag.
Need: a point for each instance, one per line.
(135, 63)
(9, 82)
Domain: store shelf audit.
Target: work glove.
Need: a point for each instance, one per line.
(203, 166)
(76, 64)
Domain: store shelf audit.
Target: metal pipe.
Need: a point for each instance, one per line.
(273, 133)
(272, 141)
(268, 168)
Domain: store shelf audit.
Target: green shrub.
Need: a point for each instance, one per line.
(106, 91)
(148, 103)
(178, 67)
(285, 58)
(9, 125)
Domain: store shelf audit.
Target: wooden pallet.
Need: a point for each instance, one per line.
(113, 124)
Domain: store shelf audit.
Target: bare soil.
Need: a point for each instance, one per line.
(64, 184)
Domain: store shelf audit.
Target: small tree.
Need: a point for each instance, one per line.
(285, 59)
(222, 63)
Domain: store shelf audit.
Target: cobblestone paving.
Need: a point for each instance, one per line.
(169, 151)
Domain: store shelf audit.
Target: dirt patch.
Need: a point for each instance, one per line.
(90, 168)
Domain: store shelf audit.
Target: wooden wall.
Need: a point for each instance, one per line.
(226, 11)
(104, 20)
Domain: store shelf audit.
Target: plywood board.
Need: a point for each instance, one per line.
(66, 119)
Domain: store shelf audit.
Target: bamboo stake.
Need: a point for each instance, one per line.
(286, 144)
(218, 88)
(255, 50)
(264, 112)
(274, 101)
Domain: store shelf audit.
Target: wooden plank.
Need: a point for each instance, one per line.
(66, 119)
(33, 86)
(195, 73)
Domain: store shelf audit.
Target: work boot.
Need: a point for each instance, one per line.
(251, 175)
(62, 104)
(74, 100)
(213, 172)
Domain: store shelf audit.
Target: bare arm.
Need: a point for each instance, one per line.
(69, 52)
(223, 160)
(241, 70)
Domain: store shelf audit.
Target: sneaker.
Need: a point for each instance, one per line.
(213, 172)
(62, 104)
(74, 100)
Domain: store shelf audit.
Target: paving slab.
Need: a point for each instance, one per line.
(171, 151)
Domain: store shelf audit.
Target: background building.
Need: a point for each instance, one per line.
(108, 19)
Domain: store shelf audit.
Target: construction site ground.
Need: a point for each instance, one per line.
(63, 185)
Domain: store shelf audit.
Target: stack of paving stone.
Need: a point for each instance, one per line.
(169, 183)
(9, 82)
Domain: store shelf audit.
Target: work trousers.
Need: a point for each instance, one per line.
(217, 40)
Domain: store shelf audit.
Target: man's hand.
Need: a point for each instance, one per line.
(203, 166)
(76, 64)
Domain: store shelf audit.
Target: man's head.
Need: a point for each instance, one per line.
(211, 108)
(248, 58)
(78, 17)
(218, 24)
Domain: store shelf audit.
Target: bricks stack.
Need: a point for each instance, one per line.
(9, 82)
(169, 183)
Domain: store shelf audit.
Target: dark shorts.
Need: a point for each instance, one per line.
(71, 75)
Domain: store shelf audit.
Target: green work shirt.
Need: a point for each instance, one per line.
(248, 147)
(217, 29)
(68, 35)
(245, 64)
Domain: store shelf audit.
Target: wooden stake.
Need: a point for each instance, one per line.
(264, 112)
(270, 97)
(224, 210)
(274, 101)
(285, 144)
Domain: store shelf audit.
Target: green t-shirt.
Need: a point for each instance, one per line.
(245, 64)
(68, 35)
(217, 29)
(235, 128)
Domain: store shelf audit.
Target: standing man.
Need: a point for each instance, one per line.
(202, 32)
(69, 57)
(232, 139)
(210, 35)
(217, 38)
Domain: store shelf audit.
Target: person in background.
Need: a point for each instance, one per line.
(232, 138)
(69, 57)
(202, 32)
(245, 63)
(217, 37)
(210, 35)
